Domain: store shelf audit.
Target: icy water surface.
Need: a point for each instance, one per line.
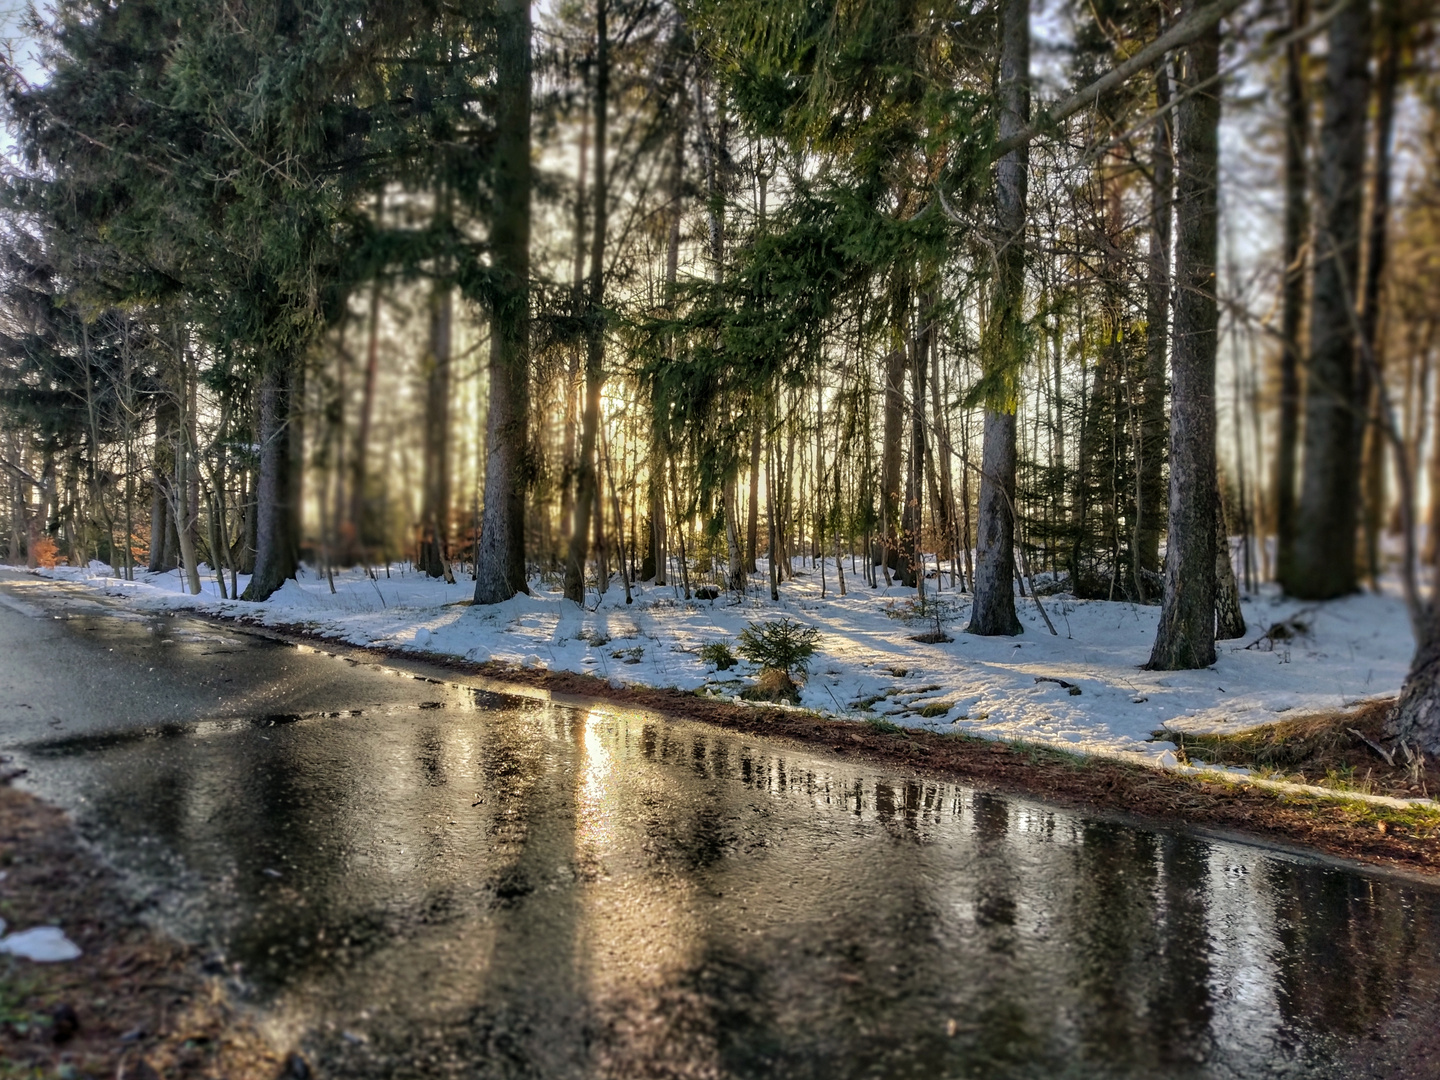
(436, 881)
(494, 888)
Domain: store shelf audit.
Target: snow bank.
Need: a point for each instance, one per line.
(867, 665)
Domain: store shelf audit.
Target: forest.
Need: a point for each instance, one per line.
(1126, 301)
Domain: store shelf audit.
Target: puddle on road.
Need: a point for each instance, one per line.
(501, 888)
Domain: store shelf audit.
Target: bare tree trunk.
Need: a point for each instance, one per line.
(185, 512)
(1323, 563)
(1372, 434)
(892, 442)
(161, 520)
(1292, 299)
(772, 554)
(275, 555)
(752, 524)
(912, 565)
(1229, 620)
(1150, 490)
(735, 576)
(1416, 717)
(1185, 637)
(586, 475)
(352, 531)
(500, 561)
(993, 612)
(434, 555)
(571, 375)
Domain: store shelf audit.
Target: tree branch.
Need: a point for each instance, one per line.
(1182, 33)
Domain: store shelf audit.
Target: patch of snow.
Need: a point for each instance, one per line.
(867, 664)
(43, 944)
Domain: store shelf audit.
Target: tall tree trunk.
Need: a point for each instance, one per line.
(993, 612)
(1372, 433)
(571, 374)
(1323, 563)
(433, 556)
(659, 554)
(752, 524)
(1150, 513)
(757, 427)
(586, 476)
(276, 557)
(939, 454)
(1185, 637)
(186, 512)
(1229, 620)
(1416, 717)
(500, 562)
(162, 525)
(735, 569)
(1292, 297)
(912, 566)
(893, 439)
(352, 531)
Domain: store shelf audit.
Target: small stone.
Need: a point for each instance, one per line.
(296, 1068)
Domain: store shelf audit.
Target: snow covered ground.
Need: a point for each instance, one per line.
(867, 665)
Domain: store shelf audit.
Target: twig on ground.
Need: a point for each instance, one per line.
(1388, 755)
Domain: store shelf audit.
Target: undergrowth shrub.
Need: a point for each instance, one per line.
(718, 653)
(781, 645)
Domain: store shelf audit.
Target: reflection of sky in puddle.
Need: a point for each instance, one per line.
(600, 893)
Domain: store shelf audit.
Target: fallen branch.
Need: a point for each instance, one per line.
(1074, 690)
(1388, 755)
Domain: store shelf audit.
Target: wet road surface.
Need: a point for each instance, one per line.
(419, 878)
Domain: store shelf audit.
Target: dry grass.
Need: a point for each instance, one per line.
(773, 685)
(1319, 748)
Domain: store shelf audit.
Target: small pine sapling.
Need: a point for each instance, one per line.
(781, 649)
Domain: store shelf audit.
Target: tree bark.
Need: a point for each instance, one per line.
(912, 568)
(894, 401)
(993, 612)
(571, 374)
(1150, 513)
(433, 556)
(275, 555)
(586, 475)
(752, 524)
(1185, 637)
(1229, 619)
(735, 569)
(1323, 563)
(1292, 299)
(161, 520)
(1371, 436)
(500, 562)
(352, 531)
(1415, 719)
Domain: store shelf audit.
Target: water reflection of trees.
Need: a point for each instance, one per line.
(551, 893)
(1350, 951)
